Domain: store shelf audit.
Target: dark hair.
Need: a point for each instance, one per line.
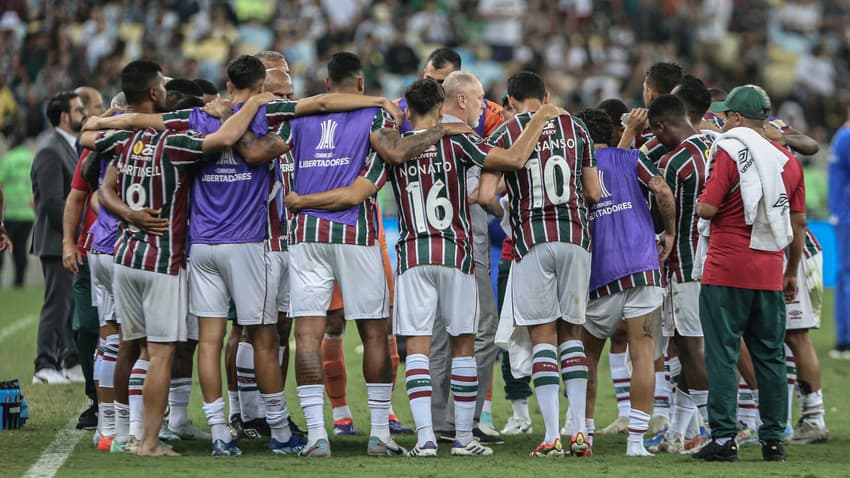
(58, 104)
(187, 102)
(187, 87)
(207, 87)
(693, 93)
(525, 85)
(137, 78)
(599, 124)
(666, 108)
(246, 72)
(424, 95)
(441, 56)
(663, 77)
(614, 108)
(343, 66)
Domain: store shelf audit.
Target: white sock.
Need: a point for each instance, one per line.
(520, 408)
(638, 425)
(418, 382)
(487, 407)
(277, 414)
(683, 413)
(673, 369)
(235, 408)
(280, 351)
(813, 409)
(341, 413)
(249, 393)
(574, 373)
(137, 407)
(379, 397)
(178, 401)
(106, 411)
(122, 421)
(464, 385)
(590, 424)
(214, 412)
(661, 404)
(700, 398)
(791, 374)
(109, 356)
(747, 411)
(544, 374)
(622, 383)
(312, 399)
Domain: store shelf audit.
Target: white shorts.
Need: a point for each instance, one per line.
(681, 310)
(423, 291)
(550, 283)
(279, 261)
(359, 271)
(152, 305)
(605, 313)
(100, 268)
(219, 272)
(805, 311)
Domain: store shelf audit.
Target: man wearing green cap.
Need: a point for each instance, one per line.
(750, 188)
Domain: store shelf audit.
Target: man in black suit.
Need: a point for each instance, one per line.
(52, 169)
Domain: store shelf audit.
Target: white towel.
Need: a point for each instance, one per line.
(700, 254)
(766, 205)
(515, 339)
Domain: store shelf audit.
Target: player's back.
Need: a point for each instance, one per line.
(546, 194)
(684, 169)
(151, 174)
(434, 222)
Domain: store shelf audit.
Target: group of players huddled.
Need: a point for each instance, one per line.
(263, 209)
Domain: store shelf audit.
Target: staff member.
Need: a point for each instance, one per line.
(747, 198)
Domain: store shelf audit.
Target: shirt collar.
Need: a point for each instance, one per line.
(72, 140)
(447, 118)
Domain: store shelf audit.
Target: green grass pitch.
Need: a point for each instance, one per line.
(51, 408)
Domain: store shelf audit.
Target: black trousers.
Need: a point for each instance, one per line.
(55, 343)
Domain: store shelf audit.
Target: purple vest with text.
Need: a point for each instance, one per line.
(330, 151)
(104, 229)
(229, 197)
(621, 224)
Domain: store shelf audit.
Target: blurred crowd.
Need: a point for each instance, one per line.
(587, 50)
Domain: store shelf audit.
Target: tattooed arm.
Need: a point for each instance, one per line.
(667, 208)
(394, 149)
(260, 150)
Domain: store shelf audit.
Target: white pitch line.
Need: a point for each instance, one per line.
(21, 323)
(55, 455)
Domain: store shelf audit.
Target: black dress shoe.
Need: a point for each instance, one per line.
(716, 452)
(88, 419)
(447, 436)
(486, 438)
(773, 450)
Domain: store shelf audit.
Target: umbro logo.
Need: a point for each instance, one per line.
(327, 140)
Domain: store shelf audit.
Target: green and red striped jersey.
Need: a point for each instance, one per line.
(433, 212)
(653, 149)
(281, 184)
(684, 170)
(152, 173)
(644, 278)
(812, 246)
(546, 194)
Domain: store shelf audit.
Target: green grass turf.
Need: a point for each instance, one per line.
(51, 408)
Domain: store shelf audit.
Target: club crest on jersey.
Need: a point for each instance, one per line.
(328, 129)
